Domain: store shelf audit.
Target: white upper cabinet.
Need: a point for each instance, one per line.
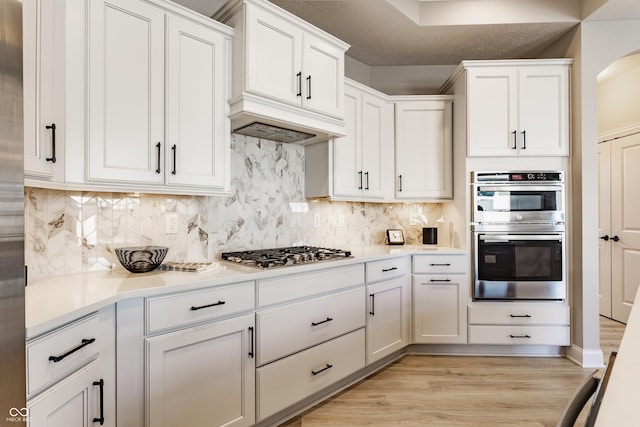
(138, 133)
(424, 150)
(43, 100)
(517, 108)
(286, 72)
(361, 162)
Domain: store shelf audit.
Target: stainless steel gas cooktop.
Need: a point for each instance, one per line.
(281, 257)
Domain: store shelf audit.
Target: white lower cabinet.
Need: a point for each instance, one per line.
(388, 307)
(289, 380)
(71, 374)
(202, 376)
(440, 296)
(519, 323)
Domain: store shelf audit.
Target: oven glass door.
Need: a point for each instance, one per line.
(503, 203)
(519, 266)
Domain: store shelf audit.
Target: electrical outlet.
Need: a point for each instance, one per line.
(316, 220)
(340, 220)
(171, 224)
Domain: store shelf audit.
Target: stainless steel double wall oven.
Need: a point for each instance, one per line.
(518, 228)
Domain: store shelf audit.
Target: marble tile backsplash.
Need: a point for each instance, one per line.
(72, 232)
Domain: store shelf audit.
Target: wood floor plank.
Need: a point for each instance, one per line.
(451, 391)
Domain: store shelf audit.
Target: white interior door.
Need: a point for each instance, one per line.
(604, 226)
(625, 224)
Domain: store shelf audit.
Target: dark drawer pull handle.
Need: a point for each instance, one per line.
(251, 341)
(515, 136)
(360, 177)
(85, 342)
(329, 319)
(299, 76)
(309, 87)
(101, 419)
(194, 308)
(440, 280)
(52, 159)
(366, 178)
(399, 182)
(519, 315)
(373, 304)
(440, 265)
(384, 270)
(174, 149)
(519, 336)
(322, 370)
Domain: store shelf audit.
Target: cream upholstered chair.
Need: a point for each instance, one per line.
(591, 386)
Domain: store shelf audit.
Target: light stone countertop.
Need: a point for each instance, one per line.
(619, 404)
(53, 301)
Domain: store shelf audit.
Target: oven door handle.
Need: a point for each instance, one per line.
(511, 188)
(505, 238)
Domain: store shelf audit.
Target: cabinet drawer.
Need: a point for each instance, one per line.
(185, 308)
(518, 314)
(283, 383)
(62, 351)
(519, 335)
(444, 263)
(387, 269)
(289, 288)
(308, 323)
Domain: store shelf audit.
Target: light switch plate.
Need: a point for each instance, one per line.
(171, 225)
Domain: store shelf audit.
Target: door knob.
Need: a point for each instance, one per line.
(615, 238)
(605, 237)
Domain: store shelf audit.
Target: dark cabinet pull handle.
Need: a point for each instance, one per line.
(360, 175)
(194, 308)
(524, 139)
(329, 319)
(52, 159)
(615, 238)
(366, 179)
(515, 136)
(158, 145)
(299, 76)
(373, 304)
(101, 419)
(251, 341)
(85, 342)
(309, 86)
(519, 336)
(439, 280)
(174, 149)
(520, 315)
(605, 237)
(440, 265)
(384, 270)
(322, 370)
(400, 186)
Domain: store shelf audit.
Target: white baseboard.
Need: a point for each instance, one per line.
(585, 358)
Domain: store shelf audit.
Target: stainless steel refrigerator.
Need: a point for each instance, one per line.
(12, 326)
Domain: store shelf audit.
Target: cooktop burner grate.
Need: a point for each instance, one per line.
(282, 257)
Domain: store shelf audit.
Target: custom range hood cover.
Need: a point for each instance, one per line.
(275, 133)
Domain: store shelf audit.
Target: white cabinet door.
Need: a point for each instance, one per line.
(347, 151)
(388, 317)
(75, 402)
(439, 309)
(197, 142)
(203, 376)
(543, 111)
(126, 92)
(323, 72)
(424, 150)
(43, 106)
(274, 56)
(492, 111)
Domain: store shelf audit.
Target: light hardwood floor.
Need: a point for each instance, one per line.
(451, 391)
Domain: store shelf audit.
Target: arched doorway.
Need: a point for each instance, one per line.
(619, 194)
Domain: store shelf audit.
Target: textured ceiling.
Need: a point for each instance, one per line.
(451, 31)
